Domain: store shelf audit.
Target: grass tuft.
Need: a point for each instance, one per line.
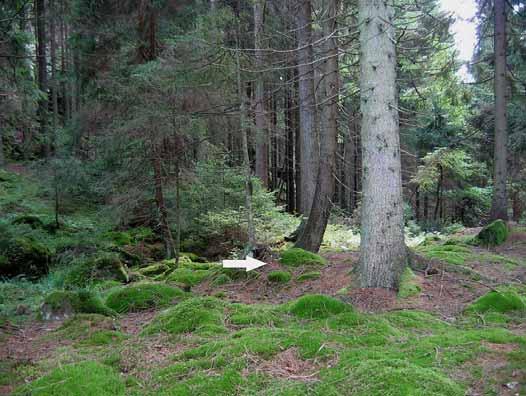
(279, 276)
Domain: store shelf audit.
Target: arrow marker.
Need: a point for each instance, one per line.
(248, 264)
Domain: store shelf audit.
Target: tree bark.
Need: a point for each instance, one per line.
(312, 235)
(54, 81)
(161, 205)
(259, 98)
(499, 204)
(40, 14)
(383, 251)
(308, 139)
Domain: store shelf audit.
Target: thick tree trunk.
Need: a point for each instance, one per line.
(54, 81)
(40, 14)
(259, 98)
(312, 235)
(383, 251)
(499, 204)
(308, 139)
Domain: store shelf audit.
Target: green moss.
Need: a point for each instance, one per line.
(499, 301)
(408, 284)
(308, 276)
(188, 277)
(23, 256)
(59, 304)
(279, 276)
(85, 271)
(296, 257)
(80, 379)
(82, 326)
(256, 314)
(195, 314)
(119, 238)
(103, 337)
(452, 254)
(318, 306)
(154, 269)
(31, 220)
(142, 296)
(493, 234)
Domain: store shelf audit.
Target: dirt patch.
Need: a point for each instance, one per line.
(134, 322)
(287, 365)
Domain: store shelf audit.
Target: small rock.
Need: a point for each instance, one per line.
(22, 309)
(511, 385)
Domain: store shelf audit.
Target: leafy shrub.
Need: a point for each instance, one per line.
(296, 257)
(279, 276)
(499, 301)
(142, 296)
(493, 234)
(60, 304)
(79, 379)
(318, 306)
(194, 314)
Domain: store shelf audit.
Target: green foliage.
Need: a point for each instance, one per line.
(279, 276)
(65, 303)
(202, 314)
(142, 296)
(408, 285)
(81, 326)
(308, 276)
(316, 306)
(221, 279)
(493, 234)
(154, 269)
(452, 254)
(85, 271)
(103, 337)
(79, 379)
(296, 257)
(499, 301)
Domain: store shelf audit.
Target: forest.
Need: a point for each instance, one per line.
(262, 197)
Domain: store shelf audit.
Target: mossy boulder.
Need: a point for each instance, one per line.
(85, 271)
(408, 284)
(30, 220)
(79, 379)
(314, 306)
(63, 304)
(23, 256)
(296, 257)
(187, 278)
(493, 234)
(203, 314)
(499, 301)
(142, 296)
(279, 276)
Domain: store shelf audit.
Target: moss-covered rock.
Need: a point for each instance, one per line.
(493, 234)
(85, 271)
(23, 256)
(279, 276)
(154, 269)
(79, 379)
(315, 306)
(61, 304)
(142, 296)
(308, 276)
(187, 278)
(296, 257)
(204, 314)
(81, 326)
(408, 284)
(30, 220)
(499, 301)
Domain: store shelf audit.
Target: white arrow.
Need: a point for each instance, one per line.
(248, 264)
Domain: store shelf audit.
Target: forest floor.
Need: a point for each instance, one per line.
(269, 352)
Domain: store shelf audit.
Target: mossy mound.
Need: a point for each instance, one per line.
(142, 296)
(154, 269)
(499, 301)
(308, 276)
(187, 277)
(103, 337)
(315, 306)
(60, 304)
(81, 326)
(296, 257)
(85, 271)
(279, 276)
(493, 234)
(23, 256)
(452, 254)
(203, 314)
(398, 377)
(408, 284)
(79, 379)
